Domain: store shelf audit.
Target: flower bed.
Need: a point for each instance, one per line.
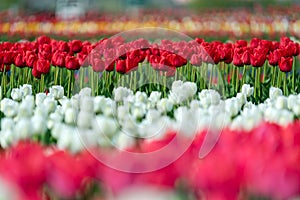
(176, 119)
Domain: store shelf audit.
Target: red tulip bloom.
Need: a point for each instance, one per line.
(121, 66)
(43, 40)
(58, 59)
(246, 57)
(286, 64)
(98, 65)
(30, 58)
(274, 57)
(19, 60)
(42, 65)
(72, 63)
(63, 46)
(8, 57)
(196, 60)
(76, 46)
(258, 59)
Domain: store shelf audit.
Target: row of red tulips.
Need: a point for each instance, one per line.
(166, 57)
(43, 52)
(261, 163)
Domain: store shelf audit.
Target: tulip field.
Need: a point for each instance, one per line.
(151, 113)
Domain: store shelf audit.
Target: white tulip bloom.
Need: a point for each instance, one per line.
(285, 118)
(140, 97)
(7, 124)
(296, 109)
(87, 104)
(281, 102)
(123, 112)
(39, 98)
(138, 110)
(16, 94)
(121, 93)
(23, 128)
(70, 116)
(209, 97)
(99, 101)
(57, 91)
(84, 119)
(153, 115)
(39, 125)
(85, 92)
(155, 96)
(26, 90)
(9, 107)
(7, 138)
(232, 106)
(50, 104)
(247, 90)
(123, 141)
(105, 126)
(274, 92)
(164, 105)
(292, 101)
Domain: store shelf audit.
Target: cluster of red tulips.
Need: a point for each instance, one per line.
(53, 60)
(261, 163)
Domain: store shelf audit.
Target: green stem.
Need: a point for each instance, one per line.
(293, 74)
(70, 72)
(284, 84)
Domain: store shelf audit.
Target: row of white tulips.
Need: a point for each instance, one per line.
(84, 120)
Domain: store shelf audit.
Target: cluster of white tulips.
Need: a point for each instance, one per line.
(87, 121)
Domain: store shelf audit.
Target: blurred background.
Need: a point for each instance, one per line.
(121, 5)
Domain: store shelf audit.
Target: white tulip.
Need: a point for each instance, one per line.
(87, 104)
(120, 93)
(7, 124)
(123, 141)
(247, 90)
(281, 102)
(164, 105)
(57, 91)
(9, 107)
(292, 101)
(138, 110)
(286, 117)
(140, 97)
(26, 90)
(296, 109)
(99, 101)
(84, 119)
(23, 128)
(85, 92)
(16, 94)
(70, 116)
(155, 96)
(274, 92)
(39, 125)
(39, 98)
(105, 126)
(50, 104)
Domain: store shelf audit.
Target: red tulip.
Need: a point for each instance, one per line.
(196, 60)
(72, 63)
(19, 60)
(246, 57)
(30, 58)
(76, 46)
(63, 46)
(274, 57)
(58, 59)
(98, 65)
(43, 40)
(286, 64)
(257, 59)
(42, 65)
(121, 66)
